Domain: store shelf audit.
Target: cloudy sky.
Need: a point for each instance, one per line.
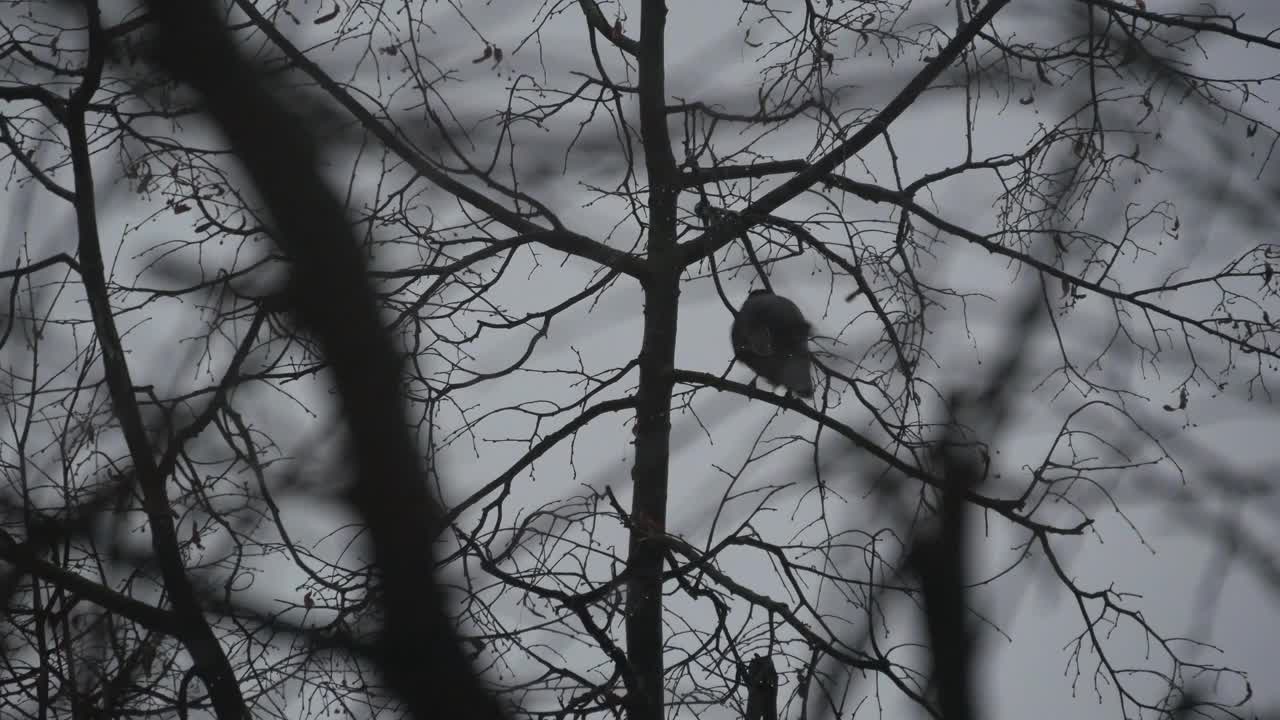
(1162, 539)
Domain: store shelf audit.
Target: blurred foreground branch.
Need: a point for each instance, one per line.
(418, 653)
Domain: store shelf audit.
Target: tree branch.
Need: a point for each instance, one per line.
(210, 661)
(418, 651)
(565, 241)
(709, 242)
(148, 616)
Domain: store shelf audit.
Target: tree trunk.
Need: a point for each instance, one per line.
(649, 474)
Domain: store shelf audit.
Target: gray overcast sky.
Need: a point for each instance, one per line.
(1160, 556)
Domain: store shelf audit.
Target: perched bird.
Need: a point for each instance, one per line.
(771, 336)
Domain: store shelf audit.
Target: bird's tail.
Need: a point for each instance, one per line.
(797, 374)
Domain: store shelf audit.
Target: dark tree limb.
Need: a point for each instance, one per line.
(562, 240)
(650, 472)
(600, 24)
(210, 662)
(418, 651)
(939, 559)
(698, 248)
(148, 616)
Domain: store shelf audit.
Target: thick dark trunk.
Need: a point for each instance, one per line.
(649, 475)
(418, 651)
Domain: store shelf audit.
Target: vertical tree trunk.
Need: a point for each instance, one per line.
(649, 477)
(657, 360)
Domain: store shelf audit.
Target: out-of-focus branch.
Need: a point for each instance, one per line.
(418, 650)
(939, 558)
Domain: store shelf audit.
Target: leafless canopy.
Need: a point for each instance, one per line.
(365, 358)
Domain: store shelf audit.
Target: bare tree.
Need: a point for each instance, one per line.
(324, 340)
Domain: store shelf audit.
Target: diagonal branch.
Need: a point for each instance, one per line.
(547, 443)
(418, 651)
(564, 241)
(148, 616)
(40, 175)
(876, 193)
(209, 659)
(709, 242)
(40, 265)
(1007, 508)
(597, 21)
(1195, 23)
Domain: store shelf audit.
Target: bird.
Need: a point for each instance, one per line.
(771, 336)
